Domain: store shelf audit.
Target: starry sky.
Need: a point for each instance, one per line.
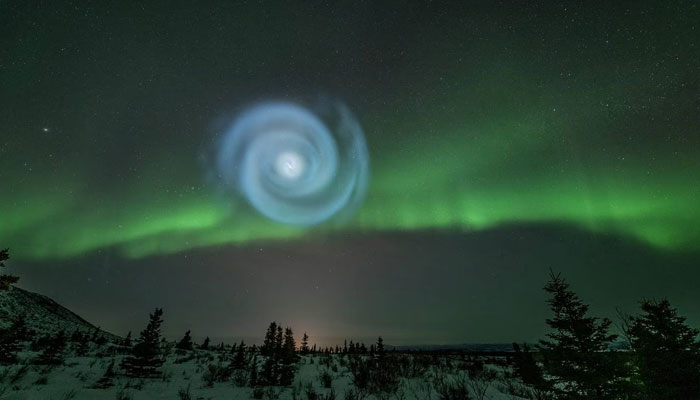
(505, 138)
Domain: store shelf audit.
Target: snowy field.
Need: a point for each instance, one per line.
(319, 376)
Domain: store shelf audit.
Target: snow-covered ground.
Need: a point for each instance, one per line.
(78, 376)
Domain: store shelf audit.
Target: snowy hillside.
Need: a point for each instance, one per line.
(42, 315)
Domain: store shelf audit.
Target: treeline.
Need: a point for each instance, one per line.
(578, 359)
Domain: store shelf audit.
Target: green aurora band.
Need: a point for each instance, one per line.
(470, 183)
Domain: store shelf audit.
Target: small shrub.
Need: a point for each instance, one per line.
(239, 378)
(326, 379)
(184, 393)
(258, 392)
(19, 373)
(69, 395)
(453, 388)
(271, 394)
(311, 393)
(354, 394)
(328, 396)
(123, 394)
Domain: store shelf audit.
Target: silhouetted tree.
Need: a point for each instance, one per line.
(279, 339)
(268, 346)
(239, 360)
(11, 341)
(288, 359)
(269, 374)
(6, 280)
(205, 344)
(305, 344)
(186, 342)
(54, 352)
(146, 355)
(253, 377)
(127, 340)
(667, 353)
(107, 379)
(380, 347)
(81, 343)
(576, 352)
(526, 368)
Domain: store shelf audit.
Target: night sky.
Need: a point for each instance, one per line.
(504, 138)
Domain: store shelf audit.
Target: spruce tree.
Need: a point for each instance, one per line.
(146, 355)
(6, 280)
(305, 344)
(186, 342)
(526, 368)
(253, 377)
(269, 374)
(288, 359)
(81, 344)
(268, 346)
(239, 360)
(666, 351)
(380, 348)
(9, 346)
(127, 340)
(576, 352)
(205, 344)
(107, 379)
(279, 339)
(54, 352)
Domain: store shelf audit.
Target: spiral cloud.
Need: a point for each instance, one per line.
(296, 166)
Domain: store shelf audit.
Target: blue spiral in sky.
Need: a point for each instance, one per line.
(296, 166)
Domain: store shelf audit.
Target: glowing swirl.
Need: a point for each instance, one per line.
(294, 166)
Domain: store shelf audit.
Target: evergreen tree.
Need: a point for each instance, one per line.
(11, 339)
(6, 280)
(205, 344)
(146, 356)
(269, 374)
(253, 379)
(81, 343)
(576, 352)
(380, 347)
(268, 346)
(107, 379)
(527, 369)
(234, 349)
(54, 352)
(127, 340)
(666, 351)
(288, 359)
(240, 360)
(279, 339)
(186, 342)
(305, 344)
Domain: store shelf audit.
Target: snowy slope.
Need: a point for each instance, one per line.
(42, 314)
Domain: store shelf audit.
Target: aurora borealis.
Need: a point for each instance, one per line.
(478, 119)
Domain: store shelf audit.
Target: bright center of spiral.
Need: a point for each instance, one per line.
(290, 165)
